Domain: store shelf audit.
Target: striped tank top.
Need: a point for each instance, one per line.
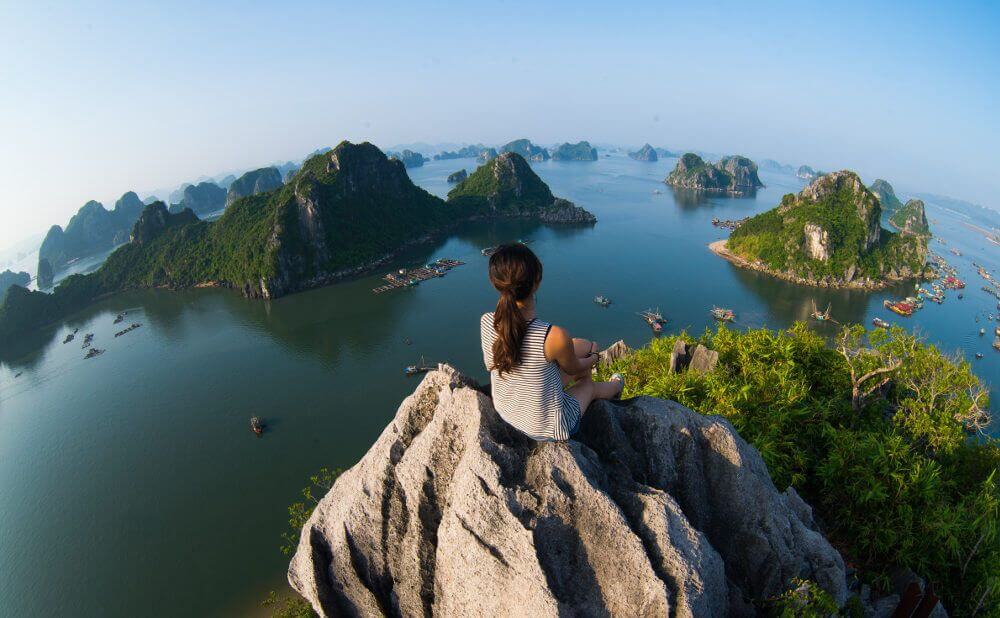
(531, 397)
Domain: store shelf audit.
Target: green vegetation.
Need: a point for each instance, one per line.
(846, 212)
(733, 174)
(873, 432)
(299, 512)
(505, 185)
(804, 600)
(292, 606)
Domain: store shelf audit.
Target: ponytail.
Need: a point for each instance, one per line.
(515, 272)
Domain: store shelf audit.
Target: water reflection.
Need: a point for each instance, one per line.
(692, 199)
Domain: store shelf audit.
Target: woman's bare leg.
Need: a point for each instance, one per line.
(586, 391)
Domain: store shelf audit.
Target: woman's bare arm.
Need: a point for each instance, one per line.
(559, 348)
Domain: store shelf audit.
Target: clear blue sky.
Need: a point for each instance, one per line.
(101, 98)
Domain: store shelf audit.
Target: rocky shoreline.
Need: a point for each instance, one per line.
(719, 248)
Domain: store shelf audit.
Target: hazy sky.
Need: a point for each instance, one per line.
(102, 98)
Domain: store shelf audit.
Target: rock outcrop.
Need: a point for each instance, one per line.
(45, 274)
(580, 151)
(911, 219)
(830, 235)
(651, 509)
(807, 173)
(458, 176)
(486, 155)
(155, 219)
(9, 278)
(91, 230)
(258, 181)
(508, 187)
(526, 149)
(203, 198)
(409, 158)
(886, 195)
(646, 153)
(465, 152)
(735, 175)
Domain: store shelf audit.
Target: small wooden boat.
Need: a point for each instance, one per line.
(982, 331)
(723, 315)
(69, 338)
(422, 367)
(603, 301)
(92, 353)
(821, 316)
(256, 425)
(119, 318)
(880, 323)
(979, 355)
(654, 319)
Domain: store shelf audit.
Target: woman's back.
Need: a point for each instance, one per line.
(530, 396)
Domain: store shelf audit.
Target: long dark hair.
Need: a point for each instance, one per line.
(515, 272)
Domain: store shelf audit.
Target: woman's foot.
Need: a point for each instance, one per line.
(620, 379)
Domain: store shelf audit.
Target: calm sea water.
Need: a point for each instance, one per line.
(131, 485)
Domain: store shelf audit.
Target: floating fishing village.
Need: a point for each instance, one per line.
(404, 278)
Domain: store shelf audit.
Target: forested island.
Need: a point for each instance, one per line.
(646, 153)
(580, 151)
(734, 174)
(910, 218)
(830, 234)
(886, 195)
(344, 212)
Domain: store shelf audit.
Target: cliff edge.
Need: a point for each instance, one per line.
(651, 509)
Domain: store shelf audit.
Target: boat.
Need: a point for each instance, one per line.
(880, 323)
(654, 319)
(488, 251)
(69, 338)
(119, 318)
(902, 308)
(996, 342)
(820, 316)
(18, 374)
(92, 353)
(422, 367)
(961, 296)
(956, 252)
(87, 340)
(256, 425)
(953, 283)
(982, 331)
(603, 301)
(979, 354)
(723, 315)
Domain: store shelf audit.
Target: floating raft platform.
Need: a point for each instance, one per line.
(409, 278)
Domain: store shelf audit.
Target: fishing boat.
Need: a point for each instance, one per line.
(69, 338)
(256, 425)
(723, 315)
(488, 251)
(902, 308)
(654, 319)
(119, 318)
(961, 296)
(956, 252)
(953, 283)
(979, 354)
(422, 367)
(982, 331)
(92, 353)
(603, 301)
(880, 323)
(821, 316)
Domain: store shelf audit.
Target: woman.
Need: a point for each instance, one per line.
(531, 362)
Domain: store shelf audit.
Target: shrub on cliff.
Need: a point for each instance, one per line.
(897, 482)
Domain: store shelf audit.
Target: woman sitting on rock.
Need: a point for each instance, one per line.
(540, 375)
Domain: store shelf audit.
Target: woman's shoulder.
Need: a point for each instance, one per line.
(486, 318)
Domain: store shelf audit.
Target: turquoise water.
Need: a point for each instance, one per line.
(131, 485)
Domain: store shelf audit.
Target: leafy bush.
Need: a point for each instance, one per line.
(897, 479)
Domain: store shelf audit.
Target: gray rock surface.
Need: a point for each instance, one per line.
(703, 360)
(679, 356)
(651, 510)
(615, 351)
